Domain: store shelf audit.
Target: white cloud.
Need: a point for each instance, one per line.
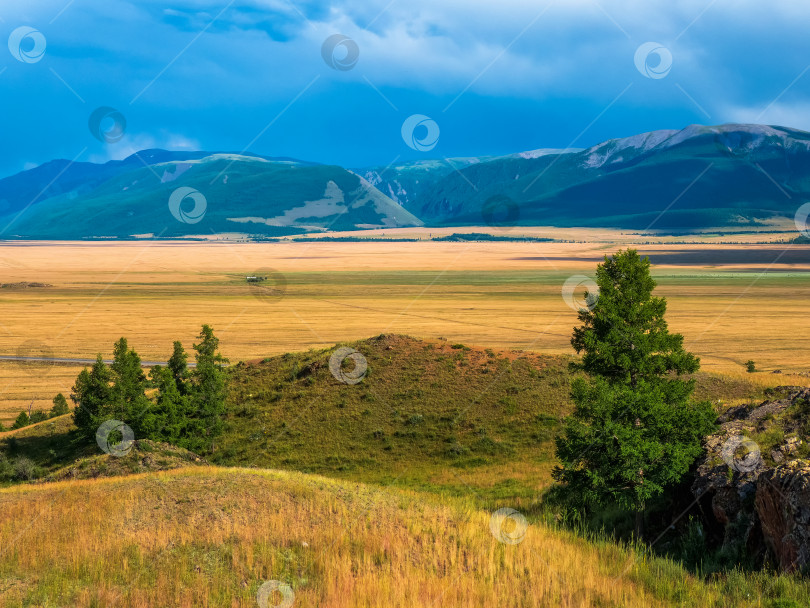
(795, 115)
(144, 141)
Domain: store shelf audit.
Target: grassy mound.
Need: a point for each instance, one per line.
(144, 456)
(427, 415)
(211, 537)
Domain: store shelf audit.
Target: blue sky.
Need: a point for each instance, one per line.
(496, 77)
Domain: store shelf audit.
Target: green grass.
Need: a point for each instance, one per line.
(422, 408)
(432, 416)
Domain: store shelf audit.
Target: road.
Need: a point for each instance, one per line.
(67, 361)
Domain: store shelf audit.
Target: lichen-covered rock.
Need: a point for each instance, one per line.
(783, 507)
(726, 484)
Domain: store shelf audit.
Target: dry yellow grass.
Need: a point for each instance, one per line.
(496, 294)
(209, 537)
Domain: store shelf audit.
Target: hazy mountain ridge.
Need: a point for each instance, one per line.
(729, 175)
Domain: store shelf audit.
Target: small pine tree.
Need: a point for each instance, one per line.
(634, 429)
(60, 406)
(750, 366)
(21, 421)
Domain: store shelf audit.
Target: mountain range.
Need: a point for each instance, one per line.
(735, 175)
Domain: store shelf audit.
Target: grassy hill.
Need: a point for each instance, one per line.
(211, 537)
(53, 451)
(144, 457)
(428, 415)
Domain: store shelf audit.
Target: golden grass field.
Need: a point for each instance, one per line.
(210, 537)
(752, 304)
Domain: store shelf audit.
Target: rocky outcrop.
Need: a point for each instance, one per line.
(782, 504)
(749, 497)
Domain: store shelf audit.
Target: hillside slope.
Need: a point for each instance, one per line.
(212, 537)
(428, 414)
(729, 175)
(241, 194)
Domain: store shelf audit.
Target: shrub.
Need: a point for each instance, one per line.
(457, 450)
(24, 469)
(6, 469)
(39, 416)
(750, 366)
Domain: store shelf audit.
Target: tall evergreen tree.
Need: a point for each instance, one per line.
(178, 365)
(207, 398)
(634, 429)
(129, 385)
(93, 396)
(166, 421)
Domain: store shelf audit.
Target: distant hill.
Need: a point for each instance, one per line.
(244, 194)
(730, 176)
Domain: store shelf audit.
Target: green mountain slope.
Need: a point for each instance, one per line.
(242, 194)
(699, 177)
(732, 175)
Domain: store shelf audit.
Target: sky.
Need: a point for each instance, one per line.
(381, 81)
